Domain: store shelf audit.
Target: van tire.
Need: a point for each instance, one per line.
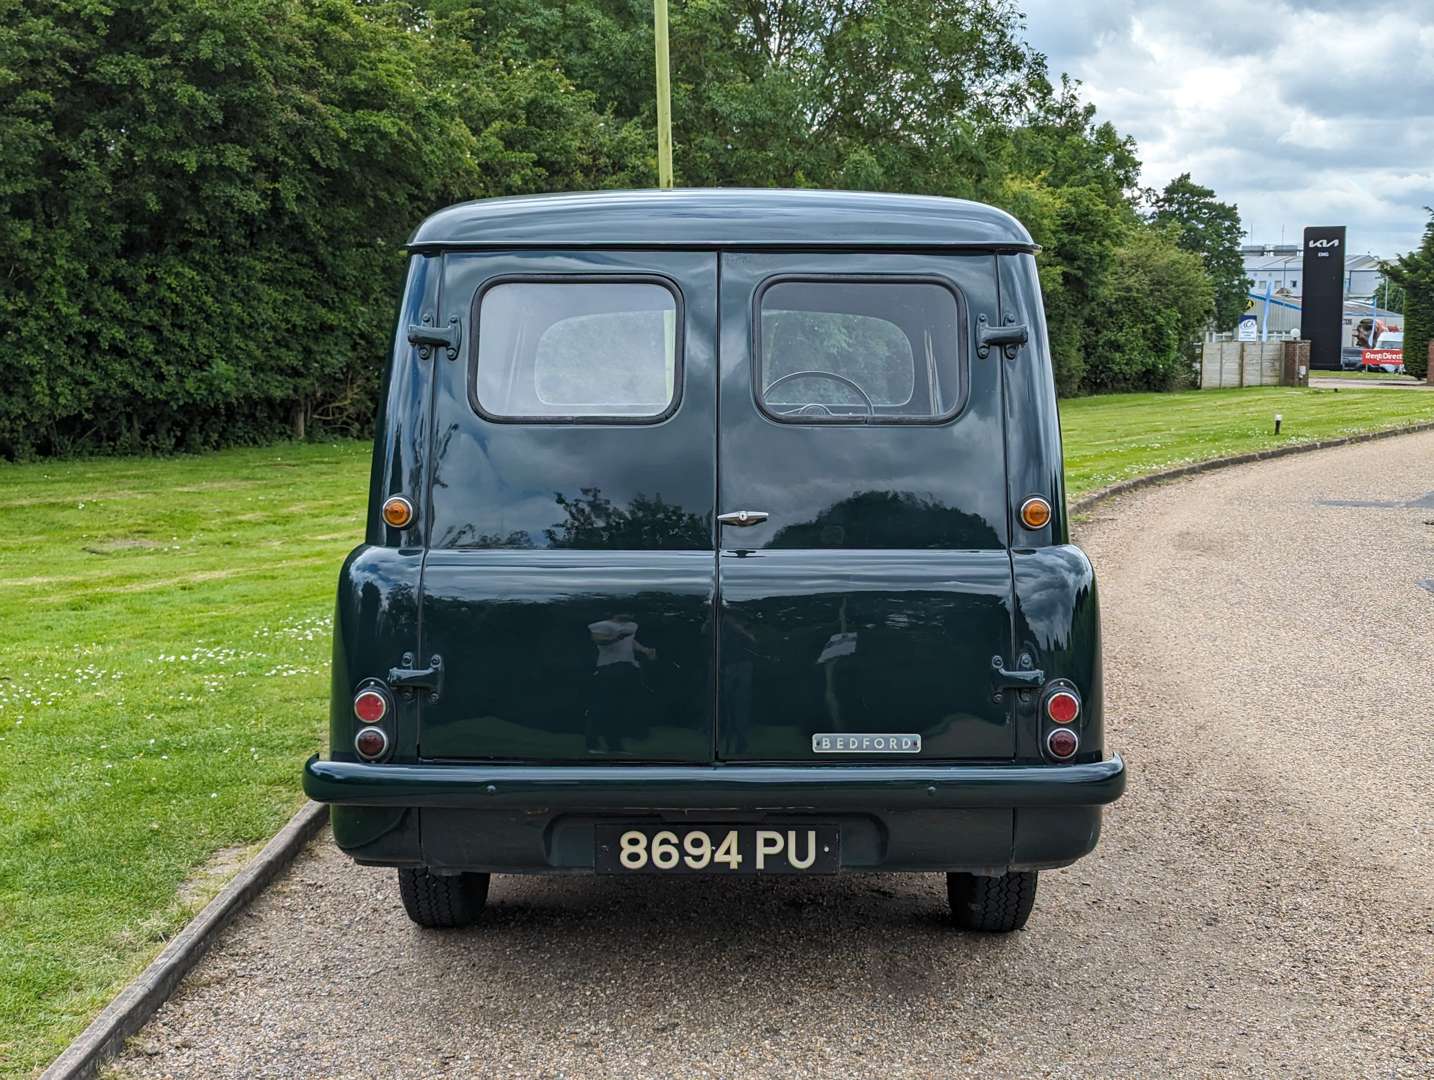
(442, 900)
(991, 905)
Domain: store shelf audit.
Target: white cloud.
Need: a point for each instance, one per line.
(1302, 113)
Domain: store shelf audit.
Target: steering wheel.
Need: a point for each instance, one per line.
(811, 409)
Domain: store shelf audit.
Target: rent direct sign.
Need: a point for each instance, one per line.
(1372, 357)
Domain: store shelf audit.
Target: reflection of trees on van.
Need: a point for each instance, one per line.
(646, 524)
(441, 445)
(889, 519)
(839, 660)
(469, 537)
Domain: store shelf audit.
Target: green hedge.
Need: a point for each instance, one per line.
(203, 202)
(1414, 271)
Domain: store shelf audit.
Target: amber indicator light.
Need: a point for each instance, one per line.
(397, 512)
(1035, 513)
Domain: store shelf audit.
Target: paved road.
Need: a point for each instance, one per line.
(1262, 903)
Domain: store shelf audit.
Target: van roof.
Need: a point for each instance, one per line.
(745, 218)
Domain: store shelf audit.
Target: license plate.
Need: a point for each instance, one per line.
(717, 849)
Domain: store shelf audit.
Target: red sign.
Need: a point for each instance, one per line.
(1375, 357)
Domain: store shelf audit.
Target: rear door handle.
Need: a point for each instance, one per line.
(1018, 680)
(742, 518)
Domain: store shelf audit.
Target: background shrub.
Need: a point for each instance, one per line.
(1414, 272)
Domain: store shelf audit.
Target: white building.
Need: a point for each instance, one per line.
(1281, 266)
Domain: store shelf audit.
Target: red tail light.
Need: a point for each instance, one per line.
(1063, 707)
(370, 706)
(1062, 743)
(371, 743)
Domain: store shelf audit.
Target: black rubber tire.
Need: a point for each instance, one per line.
(992, 905)
(442, 901)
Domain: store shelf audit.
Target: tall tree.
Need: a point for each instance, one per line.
(878, 94)
(1414, 271)
(1071, 180)
(1212, 229)
(939, 97)
(1388, 295)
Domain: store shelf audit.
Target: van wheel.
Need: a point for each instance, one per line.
(993, 905)
(439, 900)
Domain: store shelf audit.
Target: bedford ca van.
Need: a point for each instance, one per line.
(718, 532)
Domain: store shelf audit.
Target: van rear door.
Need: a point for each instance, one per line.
(868, 587)
(568, 584)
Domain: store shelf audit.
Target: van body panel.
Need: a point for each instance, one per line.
(1058, 626)
(375, 624)
(570, 574)
(873, 641)
(521, 681)
(717, 218)
(402, 428)
(877, 591)
(1034, 463)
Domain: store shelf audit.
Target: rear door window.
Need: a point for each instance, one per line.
(854, 350)
(578, 349)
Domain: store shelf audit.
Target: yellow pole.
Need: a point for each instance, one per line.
(664, 95)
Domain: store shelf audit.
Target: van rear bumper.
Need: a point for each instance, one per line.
(715, 787)
(525, 819)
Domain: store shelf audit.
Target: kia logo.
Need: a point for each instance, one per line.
(1327, 243)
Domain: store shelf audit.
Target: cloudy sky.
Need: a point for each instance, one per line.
(1303, 112)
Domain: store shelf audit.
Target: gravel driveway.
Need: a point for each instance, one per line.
(1262, 902)
(1334, 383)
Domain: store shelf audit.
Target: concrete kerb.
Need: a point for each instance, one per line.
(141, 999)
(1088, 502)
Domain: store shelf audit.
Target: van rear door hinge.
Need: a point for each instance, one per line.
(426, 336)
(406, 679)
(1011, 336)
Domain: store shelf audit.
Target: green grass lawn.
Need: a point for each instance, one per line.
(164, 640)
(1365, 376)
(1117, 436)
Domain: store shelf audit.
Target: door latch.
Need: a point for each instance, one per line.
(426, 336)
(1026, 677)
(1010, 337)
(1019, 680)
(408, 679)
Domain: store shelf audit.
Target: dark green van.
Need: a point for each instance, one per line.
(718, 532)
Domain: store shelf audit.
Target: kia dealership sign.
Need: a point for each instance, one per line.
(1322, 314)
